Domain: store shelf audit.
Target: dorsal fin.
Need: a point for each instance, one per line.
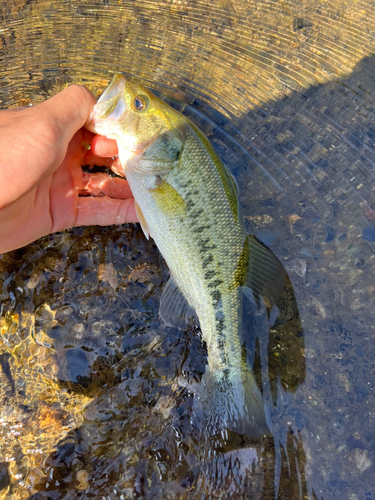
(261, 271)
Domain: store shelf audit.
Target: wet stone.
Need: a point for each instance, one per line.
(360, 459)
(369, 233)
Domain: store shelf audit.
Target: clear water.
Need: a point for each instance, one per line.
(96, 393)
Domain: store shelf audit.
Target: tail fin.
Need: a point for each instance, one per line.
(233, 402)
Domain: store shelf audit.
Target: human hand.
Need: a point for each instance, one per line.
(43, 188)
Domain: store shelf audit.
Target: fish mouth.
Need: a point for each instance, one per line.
(110, 108)
(111, 104)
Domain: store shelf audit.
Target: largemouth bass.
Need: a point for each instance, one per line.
(187, 200)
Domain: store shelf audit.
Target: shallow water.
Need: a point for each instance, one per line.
(96, 398)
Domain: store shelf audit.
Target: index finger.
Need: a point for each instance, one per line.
(101, 146)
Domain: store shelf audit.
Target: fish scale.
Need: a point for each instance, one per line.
(204, 199)
(186, 199)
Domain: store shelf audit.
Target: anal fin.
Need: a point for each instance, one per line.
(174, 308)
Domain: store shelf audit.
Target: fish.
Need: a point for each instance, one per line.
(187, 200)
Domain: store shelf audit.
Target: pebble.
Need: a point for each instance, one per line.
(369, 233)
(359, 458)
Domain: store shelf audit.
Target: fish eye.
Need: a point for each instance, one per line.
(139, 103)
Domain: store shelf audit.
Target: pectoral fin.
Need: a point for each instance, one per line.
(174, 308)
(259, 270)
(168, 200)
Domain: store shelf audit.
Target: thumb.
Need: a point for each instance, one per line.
(67, 111)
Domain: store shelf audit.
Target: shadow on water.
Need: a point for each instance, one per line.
(81, 330)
